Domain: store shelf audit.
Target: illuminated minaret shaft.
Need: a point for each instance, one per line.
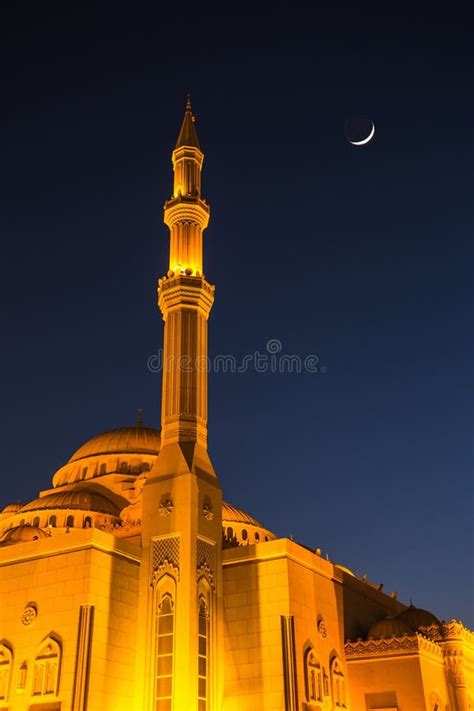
(181, 568)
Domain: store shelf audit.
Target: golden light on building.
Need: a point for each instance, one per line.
(130, 584)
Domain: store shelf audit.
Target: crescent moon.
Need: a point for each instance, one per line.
(365, 140)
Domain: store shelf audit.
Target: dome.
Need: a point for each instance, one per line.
(135, 440)
(12, 508)
(125, 450)
(415, 617)
(389, 627)
(74, 499)
(22, 534)
(232, 514)
(345, 570)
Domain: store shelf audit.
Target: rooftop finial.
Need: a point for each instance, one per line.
(139, 422)
(187, 135)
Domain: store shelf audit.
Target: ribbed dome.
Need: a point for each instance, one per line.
(74, 499)
(389, 627)
(415, 617)
(136, 440)
(231, 513)
(12, 508)
(22, 534)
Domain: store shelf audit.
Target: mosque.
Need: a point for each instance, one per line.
(129, 584)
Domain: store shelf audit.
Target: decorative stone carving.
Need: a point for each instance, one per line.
(29, 615)
(165, 558)
(165, 568)
(204, 571)
(322, 629)
(166, 507)
(205, 553)
(207, 511)
(406, 643)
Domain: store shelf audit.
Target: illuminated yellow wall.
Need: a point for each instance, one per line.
(57, 576)
(262, 584)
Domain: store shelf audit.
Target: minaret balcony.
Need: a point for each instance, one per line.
(180, 290)
(187, 208)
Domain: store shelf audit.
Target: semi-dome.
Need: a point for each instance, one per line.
(82, 499)
(415, 617)
(134, 440)
(233, 514)
(22, 534)
(239, 528)
(12, 508)
(389, 627)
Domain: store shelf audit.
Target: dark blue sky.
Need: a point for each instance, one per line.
(359, 255)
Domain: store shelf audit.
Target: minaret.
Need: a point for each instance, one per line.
(185, 299)
(181, 572)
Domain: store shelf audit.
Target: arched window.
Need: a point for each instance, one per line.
(244, 534)
(257, 536)
(52, 521)
(36, 521)
(203, 655)
(313, 677)
(338, 684)
(6, 666)
(70, 521)
(230, 533)
(164, 653)
(22, 675)
(87, 522)
(46, 669)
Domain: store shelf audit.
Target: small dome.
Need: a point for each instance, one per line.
(389, 627)
(74, 499)
(134, 440)
(346, 570)
(22, 534)
(232, 514)
(415, 617)
(12, 508)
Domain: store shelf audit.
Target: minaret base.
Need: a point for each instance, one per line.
(182, 548)
(179, 458)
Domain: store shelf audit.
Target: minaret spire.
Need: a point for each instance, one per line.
(186, 213)
(188, 135)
